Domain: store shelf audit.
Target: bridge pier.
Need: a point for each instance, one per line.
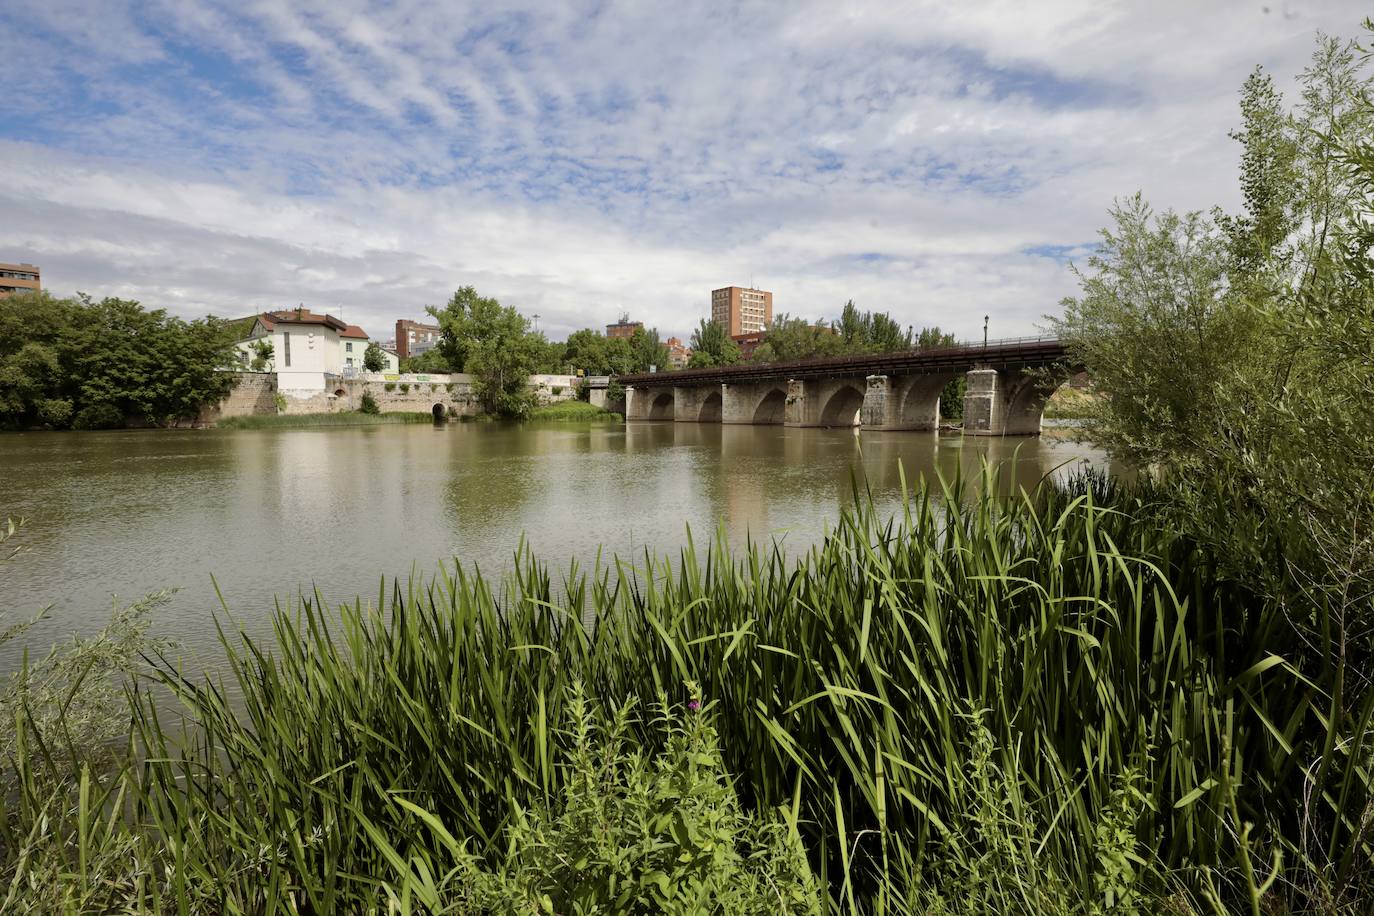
(1006, 402)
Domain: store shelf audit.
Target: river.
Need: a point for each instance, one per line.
(266, 513)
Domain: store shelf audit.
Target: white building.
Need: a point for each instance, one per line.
(302, 347)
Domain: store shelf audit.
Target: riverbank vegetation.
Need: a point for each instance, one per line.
(319, 420)
(99, 364)
(574, 411)
(1054, 704)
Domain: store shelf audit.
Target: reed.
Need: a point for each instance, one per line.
(1049, 703)
(311, 420)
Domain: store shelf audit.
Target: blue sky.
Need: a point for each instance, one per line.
(579, 159)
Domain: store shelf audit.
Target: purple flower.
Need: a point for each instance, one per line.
(693, 705)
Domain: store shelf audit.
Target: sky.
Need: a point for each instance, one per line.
(939, 161)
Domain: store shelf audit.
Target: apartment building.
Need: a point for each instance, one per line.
(740, 310)
(414, 338)
(624, 327)
(19, 278)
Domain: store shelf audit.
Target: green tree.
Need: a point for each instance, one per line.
(262, 355)
(109, 361)
(790, 338)
(712, 346)
(647, 350)
(493, 343)
(431, 360)
(1230, 348)
(373, 358)
(870, 332)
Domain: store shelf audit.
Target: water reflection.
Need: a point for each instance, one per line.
(271, 512)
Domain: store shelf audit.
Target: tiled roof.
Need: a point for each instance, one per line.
(300, 316)
(353, 331)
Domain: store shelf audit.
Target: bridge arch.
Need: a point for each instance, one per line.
(1026, 398)
(843, 405)
(711, 408)
(920, 407)
(661, 408)
(437, 412)
(771, 409)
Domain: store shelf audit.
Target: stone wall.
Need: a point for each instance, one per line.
(251, 396)
(255, 394)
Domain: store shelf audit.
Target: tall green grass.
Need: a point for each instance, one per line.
(1048, 704)
(579, 411)
(310, 420)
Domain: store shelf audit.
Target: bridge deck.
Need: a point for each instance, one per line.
(995, 355)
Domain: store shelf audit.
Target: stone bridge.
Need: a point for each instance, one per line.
(1009, 382)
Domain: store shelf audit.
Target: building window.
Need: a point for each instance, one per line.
(286, 347)
(349, 361)
(348, 347)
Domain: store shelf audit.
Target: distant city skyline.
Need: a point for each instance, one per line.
(939, 162)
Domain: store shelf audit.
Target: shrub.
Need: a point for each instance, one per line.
(55, 412)
(390, 386)
(99, 416)
(279, 400)
(368, 404)
(405, 387)
(557, 390)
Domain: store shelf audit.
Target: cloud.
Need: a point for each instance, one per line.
(582, 159)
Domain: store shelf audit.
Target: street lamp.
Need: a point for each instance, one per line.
(985, 332)
(536, 322)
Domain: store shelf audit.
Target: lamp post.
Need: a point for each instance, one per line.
(985, 332)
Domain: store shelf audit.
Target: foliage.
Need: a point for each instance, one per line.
(263, 355)
(97, 364)
(494, 344)
(343, 418)
(712, 346)
(374, 360)
(368, 404)
(791, 338)
(60, 717)
(432, 360)
(405, 387)
(870, 332)
(596, 354)
(573, 410)
(629, 833)
(389, 386)
(1234, 350)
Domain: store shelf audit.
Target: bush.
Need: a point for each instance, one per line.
(99, 416)
(557, 390)
(368, 404)
(390, 386)
(55, 412)
(405, 387)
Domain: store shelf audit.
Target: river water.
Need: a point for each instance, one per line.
(265, 514)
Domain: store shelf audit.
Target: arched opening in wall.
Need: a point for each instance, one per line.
(661, 408)
(1026, 398)
(438, 413)
(710, 408)
(772, 410)
(843, 407)
(923, 404)
(339, 392)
